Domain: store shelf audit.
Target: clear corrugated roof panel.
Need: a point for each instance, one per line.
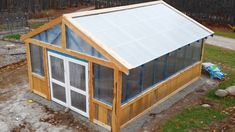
(142, 34)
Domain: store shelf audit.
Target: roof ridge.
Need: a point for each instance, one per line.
(113, 9)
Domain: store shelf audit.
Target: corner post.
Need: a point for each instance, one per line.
(117, 92)
(91, 105)
(29, 65)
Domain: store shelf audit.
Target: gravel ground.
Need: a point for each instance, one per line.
(19, 114)
(11, 53)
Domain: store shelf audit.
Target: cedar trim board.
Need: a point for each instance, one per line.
(106, 106)
(120, 8)
(42, 28)
(29, 66)
(71, 52)
(102, 124)
(90, 89)
(46, 71)
(97, 45)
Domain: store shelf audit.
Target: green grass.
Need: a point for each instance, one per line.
(220, 56)
(225, 34)
(223, 101)
(35, 25)
(226, 59)
(197, 116)
(12, 36)
(194, 117)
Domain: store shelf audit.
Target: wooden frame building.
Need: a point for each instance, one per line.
(112, 65)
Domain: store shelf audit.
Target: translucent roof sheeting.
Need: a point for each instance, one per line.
(142, 34)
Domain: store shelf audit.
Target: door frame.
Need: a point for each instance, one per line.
(66, 59)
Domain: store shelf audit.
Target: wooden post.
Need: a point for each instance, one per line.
(91, 104)
(63, 35)
(29, 66)
(202, 52)
(116, 101)
(46, 73)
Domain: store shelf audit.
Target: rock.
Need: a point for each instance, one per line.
(231, 90)
(206, 105)
(221, 93)
(10, 46)
(66, 110)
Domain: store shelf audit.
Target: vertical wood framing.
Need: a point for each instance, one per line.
(29, 66)
(46, 74)
(63, 35)
(202, 52)
(91, 107)
(116, 101)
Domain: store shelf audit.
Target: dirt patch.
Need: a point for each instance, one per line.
(63, 118)
(218, 27)
(23, 127)
(194, 98)
(8, 76)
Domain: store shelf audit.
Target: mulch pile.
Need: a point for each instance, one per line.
(63, 118)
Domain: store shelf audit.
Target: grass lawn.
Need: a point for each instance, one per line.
(35, 25)
(12, 36)
(225, 34)
(194, 117)
(197, 116)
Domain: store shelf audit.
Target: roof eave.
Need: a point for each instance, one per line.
(41, 28)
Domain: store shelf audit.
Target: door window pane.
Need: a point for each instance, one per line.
(59, 92)
(57, 68)
(78, 101)
(36, 57)
(77, 76)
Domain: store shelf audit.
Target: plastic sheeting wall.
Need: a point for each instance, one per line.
(36, 57)
(74, 42)
(103, 84)
(149, 74)
(51, 36)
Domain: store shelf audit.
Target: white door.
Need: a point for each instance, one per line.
(69, 82)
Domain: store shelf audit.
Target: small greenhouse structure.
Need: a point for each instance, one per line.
(112, 65)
